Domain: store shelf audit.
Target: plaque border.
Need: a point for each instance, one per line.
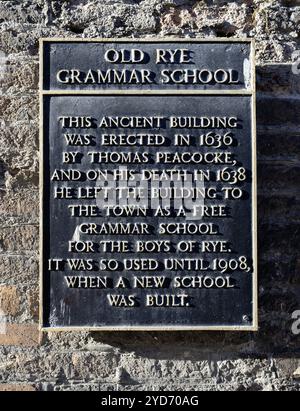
(243, 92)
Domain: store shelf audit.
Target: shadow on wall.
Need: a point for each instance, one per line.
(278, 121)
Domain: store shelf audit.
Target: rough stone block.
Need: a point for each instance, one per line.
(279, 239)
(19, 239)
(274, 111)
(21, 205)
(19, 144)
(278, 209)
(146, 361)
(287, 367)
(277, 51)
(19, 75)
(77, 387)
(15, 109)
(280, 146)
(100, 365)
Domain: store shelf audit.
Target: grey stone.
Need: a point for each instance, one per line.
(266, 361)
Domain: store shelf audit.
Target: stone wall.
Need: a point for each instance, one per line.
(267, 360)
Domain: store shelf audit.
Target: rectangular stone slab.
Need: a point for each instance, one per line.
(60, 58)
(225, 300)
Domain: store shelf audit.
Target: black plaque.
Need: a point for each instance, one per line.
(149, 185)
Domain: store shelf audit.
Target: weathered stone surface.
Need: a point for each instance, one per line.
(19, 147)
(287, 367)
(186, 385)
(278, 111)
(19, 239)
(20, 205)
(19, 75)
(296, 374)
(51, 365)
(17, 387)
(9, 299)
(21, 335)
(16, 269)
(12, 11)
(100, 366)
(279, 238)
(15, 109)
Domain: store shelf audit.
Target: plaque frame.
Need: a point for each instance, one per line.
(252, 93)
